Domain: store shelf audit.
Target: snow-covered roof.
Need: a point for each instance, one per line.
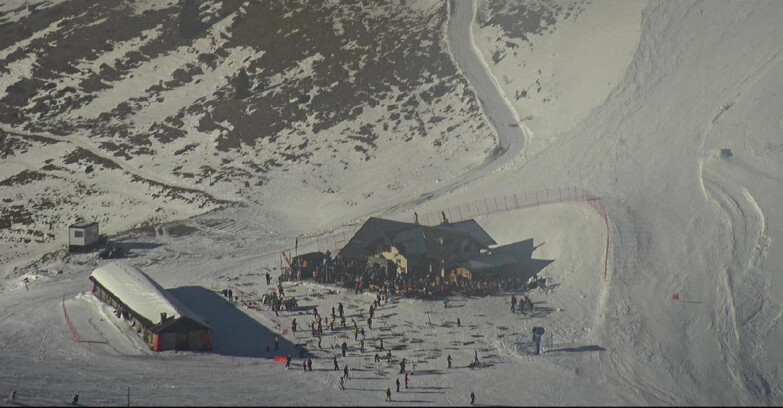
(141, 294)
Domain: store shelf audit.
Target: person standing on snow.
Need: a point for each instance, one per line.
(361, 346)
(342, 383)
(336, 366)
(388, 393)
(345, 371)
(513, 303)
(309, 365)
(75, 399)
(355, 333)
(448, 358)
(369, 323)
(406, 381)
(345, 348)
(293, 325)
(472, 398)
(397, 381)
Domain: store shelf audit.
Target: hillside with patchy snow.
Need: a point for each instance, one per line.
(179, 109)
(228, 131)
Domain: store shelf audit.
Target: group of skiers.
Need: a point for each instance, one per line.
(524, 303)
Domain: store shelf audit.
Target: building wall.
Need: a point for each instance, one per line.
(395, 256)
(88, 236)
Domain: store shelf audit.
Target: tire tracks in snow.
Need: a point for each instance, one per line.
(743, 310)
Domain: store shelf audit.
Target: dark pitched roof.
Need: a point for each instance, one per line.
(515, 253)
(473, 228)
(411, 239)
(360, 244)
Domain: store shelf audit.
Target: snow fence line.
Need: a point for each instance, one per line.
(491, 205)
(74, 333)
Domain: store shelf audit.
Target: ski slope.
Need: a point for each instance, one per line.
(685, 154)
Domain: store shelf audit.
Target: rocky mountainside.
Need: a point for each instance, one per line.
(133, 113)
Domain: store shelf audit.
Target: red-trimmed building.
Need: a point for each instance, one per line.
(157, 316)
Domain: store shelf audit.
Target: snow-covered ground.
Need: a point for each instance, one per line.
(683, 147)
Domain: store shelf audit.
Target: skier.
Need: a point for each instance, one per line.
(345, 348)
(475, 357)
(333, 313)
(361, 331)
(268, 278)
(372, 312)
(340, 308)
(381, 347)
(388, 356)
(369, 323)
(342, 322)
(361, 346)
(377, 358)
(388, 392)
(277, 342)
(342, 383)
(397, 381)
(304, 365)
(406, 381)
(513, 302)
(309, 365)
(472, 398)
(345, 371)
(288, 361)
(448, 358)
(13, 396)
(293, 325)
(445, 303)
(522, 306)
(336, 366)
(319, 343)
(355, 333)
(75, 399)
(459, 324)
(331, 324)
(402, 366)
(529, 304)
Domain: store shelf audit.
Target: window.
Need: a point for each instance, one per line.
(78, 234)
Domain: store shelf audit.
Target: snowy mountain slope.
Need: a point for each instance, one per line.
(683, 152)
(232, 100)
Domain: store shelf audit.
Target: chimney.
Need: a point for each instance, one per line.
(443, 219)
(163, 317)
(416, 218)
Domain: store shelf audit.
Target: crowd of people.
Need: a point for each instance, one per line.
(363, 274)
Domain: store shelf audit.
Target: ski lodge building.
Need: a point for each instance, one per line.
(451, 250)
(157, 316)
